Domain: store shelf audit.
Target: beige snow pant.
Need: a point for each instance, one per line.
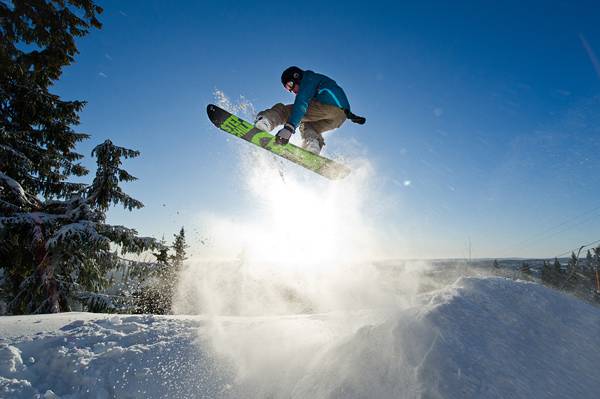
(319, 118)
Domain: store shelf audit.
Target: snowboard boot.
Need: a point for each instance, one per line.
(312, 144)
(262, 123)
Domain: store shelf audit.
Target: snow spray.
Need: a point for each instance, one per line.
(299, 247)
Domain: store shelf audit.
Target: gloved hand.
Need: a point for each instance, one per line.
(283, 136)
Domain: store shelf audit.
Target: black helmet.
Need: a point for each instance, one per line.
(292, 74)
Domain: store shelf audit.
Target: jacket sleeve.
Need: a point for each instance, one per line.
(308, 91)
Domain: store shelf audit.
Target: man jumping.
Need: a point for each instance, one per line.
(320, 105)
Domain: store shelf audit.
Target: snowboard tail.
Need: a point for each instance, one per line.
(233, 125)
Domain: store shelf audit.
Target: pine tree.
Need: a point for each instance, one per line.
(37, 141)
(546, 273)
(180, 247)
(72, 247)
(555, 273)
(571, 279)
(55, 246)
(162, 255)
(105, 190)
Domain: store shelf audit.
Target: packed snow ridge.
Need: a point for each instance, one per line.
(477, 338)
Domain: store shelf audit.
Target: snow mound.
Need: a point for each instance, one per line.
(478, 338)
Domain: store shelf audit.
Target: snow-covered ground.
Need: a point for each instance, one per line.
(479, 337)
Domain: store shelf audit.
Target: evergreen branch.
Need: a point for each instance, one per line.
(16, 190)
(82, 231)
(9, 153)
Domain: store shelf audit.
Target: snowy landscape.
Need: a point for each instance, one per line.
(396, 261)
(479, 337)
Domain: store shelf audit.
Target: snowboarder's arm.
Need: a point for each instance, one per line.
(308, 91)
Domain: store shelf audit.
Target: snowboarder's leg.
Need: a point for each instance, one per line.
(319, 118)
(277, 115)
(328, 117)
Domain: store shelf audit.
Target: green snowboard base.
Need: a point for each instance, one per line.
(238, 127)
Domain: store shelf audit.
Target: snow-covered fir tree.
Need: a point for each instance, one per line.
(55, 246)
(72, 247)
(180, 247)
(177, 259)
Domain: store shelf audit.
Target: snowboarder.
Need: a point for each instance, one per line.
(320, 105)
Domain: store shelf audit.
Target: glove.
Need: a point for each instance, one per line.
(283, 136)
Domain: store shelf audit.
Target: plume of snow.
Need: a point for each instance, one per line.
(242, 107)
(304, 245)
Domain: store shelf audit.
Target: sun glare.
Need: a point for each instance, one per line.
(312, 225)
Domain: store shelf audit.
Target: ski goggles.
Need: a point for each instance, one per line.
(289, 86)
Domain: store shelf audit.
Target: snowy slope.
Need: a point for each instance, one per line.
(477, 338)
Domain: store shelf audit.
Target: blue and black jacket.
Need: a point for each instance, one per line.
(315, 86)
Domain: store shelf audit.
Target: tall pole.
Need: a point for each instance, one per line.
(469, 249)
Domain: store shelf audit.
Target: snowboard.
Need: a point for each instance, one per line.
(238, 127)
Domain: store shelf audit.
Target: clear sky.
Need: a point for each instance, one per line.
(483, 118)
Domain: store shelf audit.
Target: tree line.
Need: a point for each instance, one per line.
(578, 275)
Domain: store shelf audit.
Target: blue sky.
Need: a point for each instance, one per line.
(491, 111)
